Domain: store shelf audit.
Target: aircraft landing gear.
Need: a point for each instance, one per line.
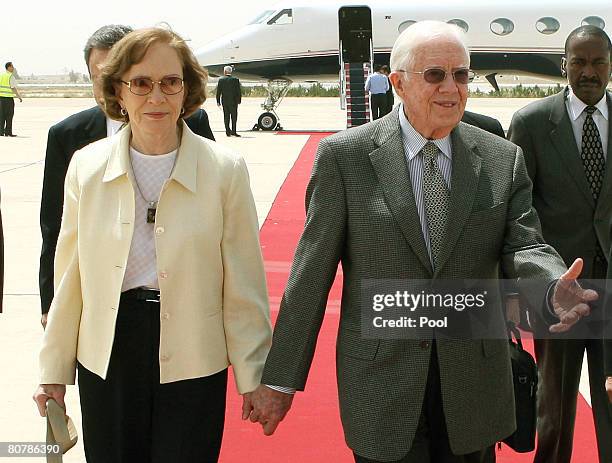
(269, 120)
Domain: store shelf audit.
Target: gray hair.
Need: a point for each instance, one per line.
(417, 35)
(228, 69)
(104, 39)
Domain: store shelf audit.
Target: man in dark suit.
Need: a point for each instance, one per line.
(229, 95)
(487, 123)
(72, 134)
(565, 139)
(608, 341)
(381, 202)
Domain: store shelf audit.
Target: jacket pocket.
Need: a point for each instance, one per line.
(352, 344)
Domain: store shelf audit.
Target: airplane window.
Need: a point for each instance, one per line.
(594, 21)
(262, 17)
(405, 25)
(502, 26)
(547, 25)
(282, 17)
(459, 23)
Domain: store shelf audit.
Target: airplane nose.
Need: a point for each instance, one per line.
(214, 56)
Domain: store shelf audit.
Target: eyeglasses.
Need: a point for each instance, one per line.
(170, 85)
(437, 75)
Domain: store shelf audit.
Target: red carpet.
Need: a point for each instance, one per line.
(312, 432)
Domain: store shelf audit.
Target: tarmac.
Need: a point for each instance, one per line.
(269, 158)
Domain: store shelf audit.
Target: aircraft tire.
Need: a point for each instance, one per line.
(267, 121)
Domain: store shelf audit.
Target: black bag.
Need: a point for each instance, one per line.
(525, 378)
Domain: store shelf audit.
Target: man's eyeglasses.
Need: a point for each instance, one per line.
(437, 75)
(141, 86)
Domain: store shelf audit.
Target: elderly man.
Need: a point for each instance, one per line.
(72, 134)
(414, 195)
(565, 141)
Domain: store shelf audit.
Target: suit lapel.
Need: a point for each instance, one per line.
(464, 184)
(562, 138)
(606, 189)
(389, 162)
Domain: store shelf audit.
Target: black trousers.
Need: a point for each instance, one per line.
(431, 444)
(7, 110)
(131, 418)
(559, 367)
(230, 112)
(378, 102)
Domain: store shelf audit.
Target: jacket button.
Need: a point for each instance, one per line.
(425, 344)
(164, 358)
(166, 316)
(163, 275)
(159, 230)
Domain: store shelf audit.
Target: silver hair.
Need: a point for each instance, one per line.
(228, 69)
(417, 35)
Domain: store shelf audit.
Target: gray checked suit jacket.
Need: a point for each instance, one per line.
(361, 212)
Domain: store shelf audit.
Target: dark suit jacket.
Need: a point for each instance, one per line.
(66, 137)
(228, 91)
(487, 123)
(361, 212)
(571, 221)
(608, 341)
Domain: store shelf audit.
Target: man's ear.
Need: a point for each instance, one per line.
(564, 67)
(397, 82)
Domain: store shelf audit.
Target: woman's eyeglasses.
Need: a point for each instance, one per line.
(437, 75)
(141, 86)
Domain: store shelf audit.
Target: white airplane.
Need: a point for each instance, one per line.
(298, 41)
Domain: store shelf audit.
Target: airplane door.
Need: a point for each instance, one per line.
(355, 55)
(355, 32)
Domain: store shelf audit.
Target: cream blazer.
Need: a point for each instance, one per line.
(214, 304)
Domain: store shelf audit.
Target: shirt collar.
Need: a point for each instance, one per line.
(415, 142)
(577, 106)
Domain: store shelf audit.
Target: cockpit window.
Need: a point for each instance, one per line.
(282, 17)
(262, 17)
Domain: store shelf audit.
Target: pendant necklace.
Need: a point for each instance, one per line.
(151, 205)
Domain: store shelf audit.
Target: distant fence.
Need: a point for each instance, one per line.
(296, 90)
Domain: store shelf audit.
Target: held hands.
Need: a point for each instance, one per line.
(266, 406)
(45, 392)
(570, 300)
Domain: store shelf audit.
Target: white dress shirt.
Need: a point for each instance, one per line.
(575, 110)
(112, 126)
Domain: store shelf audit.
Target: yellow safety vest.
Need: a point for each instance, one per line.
(5, 85)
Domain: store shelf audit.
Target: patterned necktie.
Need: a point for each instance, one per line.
(592, 153)
(437, 199)
(594, 162)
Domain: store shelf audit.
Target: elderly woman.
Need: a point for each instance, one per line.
(159, 275)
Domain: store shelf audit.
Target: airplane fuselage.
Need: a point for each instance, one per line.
(299, 41)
